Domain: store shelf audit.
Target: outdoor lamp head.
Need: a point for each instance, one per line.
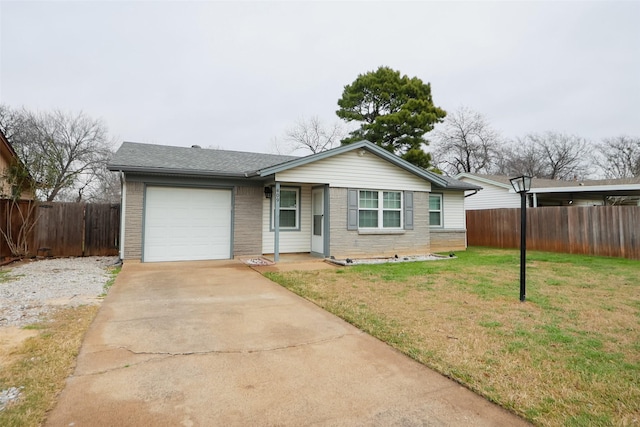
(521, 184)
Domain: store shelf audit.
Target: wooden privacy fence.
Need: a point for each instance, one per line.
(66, 229)
(593, 230)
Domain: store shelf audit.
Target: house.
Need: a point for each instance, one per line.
(497, 192)
(355, 200)
(9, 158)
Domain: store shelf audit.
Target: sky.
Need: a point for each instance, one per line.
(237, 75)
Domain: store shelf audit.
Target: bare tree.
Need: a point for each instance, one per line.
(312, 135)
(20, 211)
(521, 157)
(99, 185)
(551, 155)
(277, 146)
(64, 152)
(10, 121)
(109, 188)
(566, 156)
(619, 157)
(465, 143)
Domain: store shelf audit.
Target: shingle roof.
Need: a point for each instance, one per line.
(556, 183)
(137, 157)
(593, 182)
(454, 184)
(163, 159)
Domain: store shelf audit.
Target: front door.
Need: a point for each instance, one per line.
(317, 220)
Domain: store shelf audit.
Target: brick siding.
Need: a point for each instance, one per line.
(346, 243)
(448, 240)
(133, 221)
(247, 223)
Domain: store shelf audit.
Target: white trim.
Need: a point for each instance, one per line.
(564, 189)
(587, 188)
(381, 231)
(297, 209)
(441, 211)
(381, 210)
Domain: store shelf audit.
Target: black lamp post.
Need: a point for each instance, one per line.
(522, 185)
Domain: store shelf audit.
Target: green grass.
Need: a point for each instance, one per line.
(42, 363)
(113, 273)
(5, 276)
(570, 355)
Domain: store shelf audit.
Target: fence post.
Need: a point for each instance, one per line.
(84, 228)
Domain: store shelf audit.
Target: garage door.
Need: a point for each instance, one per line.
(184, 224)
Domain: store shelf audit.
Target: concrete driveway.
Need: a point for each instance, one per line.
(215, 343)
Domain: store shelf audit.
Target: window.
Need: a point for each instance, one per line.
(435, 210)
(373, 214)
(289, 208)
(368, 209)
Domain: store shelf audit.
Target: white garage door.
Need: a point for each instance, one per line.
(184, 224)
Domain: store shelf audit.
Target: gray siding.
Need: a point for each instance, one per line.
(133, 221)
(247, 225)
(352, 243)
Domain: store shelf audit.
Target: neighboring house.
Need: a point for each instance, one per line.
(355, 200)
(8, 157)
(497, 192)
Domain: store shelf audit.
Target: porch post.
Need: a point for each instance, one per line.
(327, 222)
(276, 225)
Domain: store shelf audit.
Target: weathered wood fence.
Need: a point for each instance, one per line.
(593, 230)
(65, 229)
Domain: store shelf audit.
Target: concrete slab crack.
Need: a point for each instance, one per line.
(163, 355)
(243, 351)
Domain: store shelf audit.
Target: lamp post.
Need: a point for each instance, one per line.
(522, 185)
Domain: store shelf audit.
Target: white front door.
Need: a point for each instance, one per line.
(317, 220)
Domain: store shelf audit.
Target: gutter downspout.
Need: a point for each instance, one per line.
(276, 225)
(472, 194)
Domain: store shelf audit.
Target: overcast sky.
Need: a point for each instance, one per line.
(235, 75)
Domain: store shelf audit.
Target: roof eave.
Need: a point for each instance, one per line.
(587, 189)
(470, 187)
(172, 171)
(482, 179)
(8, 145)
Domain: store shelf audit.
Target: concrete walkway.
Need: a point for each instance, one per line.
(215, 343)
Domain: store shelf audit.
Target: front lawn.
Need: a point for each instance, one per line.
(43, 363)
(570, 355)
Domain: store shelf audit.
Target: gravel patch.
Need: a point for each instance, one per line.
(256, 261)
(33, 288)
(9, 395)
(388, 260)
